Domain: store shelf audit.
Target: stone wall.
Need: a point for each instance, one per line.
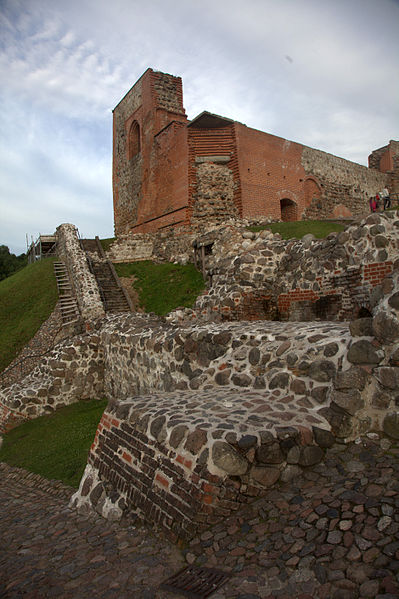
(260, 276)
(72, 371)
(214, 194)
(204, 417)
(345, 187)
(52, 332)
(166, 459)
(127, 172)
(83, 281)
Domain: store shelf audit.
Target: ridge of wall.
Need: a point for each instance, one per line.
(83, 281)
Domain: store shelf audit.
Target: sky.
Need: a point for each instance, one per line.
(324, 73)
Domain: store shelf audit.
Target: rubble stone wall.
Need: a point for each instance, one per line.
(204, 417)
(345, 186)
(260, 276)
(214, 195)
(83, 281)
(72, 371)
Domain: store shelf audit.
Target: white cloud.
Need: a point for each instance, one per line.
(320, 73)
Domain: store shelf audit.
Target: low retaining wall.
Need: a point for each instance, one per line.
(183, 463)
(236, 407)
(74, 370)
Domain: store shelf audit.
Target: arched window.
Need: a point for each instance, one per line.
(134, 140)
(288, 210)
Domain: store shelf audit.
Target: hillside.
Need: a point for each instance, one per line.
(27, 299)
(163, 287)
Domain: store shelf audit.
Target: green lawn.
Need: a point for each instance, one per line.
(163, 287)
(27, 299)
(299, 228)
(106, 243)
(55, 446)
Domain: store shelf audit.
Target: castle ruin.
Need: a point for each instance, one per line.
(169, 171)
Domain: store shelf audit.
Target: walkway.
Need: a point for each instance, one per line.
(333, 534)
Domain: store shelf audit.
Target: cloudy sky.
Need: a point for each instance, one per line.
(324, 73)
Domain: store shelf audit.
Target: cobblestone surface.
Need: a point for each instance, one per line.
(332, 534)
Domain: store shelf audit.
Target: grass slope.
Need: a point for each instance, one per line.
(27, 299)
(298, 229)
(163, 287)
(55, 446)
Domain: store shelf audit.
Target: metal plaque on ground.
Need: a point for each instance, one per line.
(196, 582)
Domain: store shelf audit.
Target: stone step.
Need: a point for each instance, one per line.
(209, 454)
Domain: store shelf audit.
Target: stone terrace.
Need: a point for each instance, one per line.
(234, 408)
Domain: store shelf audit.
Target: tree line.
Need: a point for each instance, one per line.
(10, 263)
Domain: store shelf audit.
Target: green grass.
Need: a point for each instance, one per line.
(106, 243)
(27, 299)
(298, 229)
(55, 446)
(163, 287)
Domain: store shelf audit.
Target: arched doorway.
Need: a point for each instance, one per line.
(312, 193)
(288, 210)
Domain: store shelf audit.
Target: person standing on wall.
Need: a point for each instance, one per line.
(386, 198)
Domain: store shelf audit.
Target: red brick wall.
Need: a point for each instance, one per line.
(270, 170)
(161, 484)
(142, 180)
(386, 162)
(165, 185)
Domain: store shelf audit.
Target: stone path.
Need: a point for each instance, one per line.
(332, 534)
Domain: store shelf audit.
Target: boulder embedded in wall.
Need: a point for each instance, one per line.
(391, 425)
(311, 455)
(386, 327)
(364, 352)
(322, 370)
(323, 437)
(361, 327)
(227, 459)
(351, 401)
(265, 476)
(353, 378)
(388, 377)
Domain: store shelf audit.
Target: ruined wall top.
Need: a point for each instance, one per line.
(84, 282)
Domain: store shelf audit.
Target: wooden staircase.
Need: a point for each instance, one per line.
(68, 304)
(113, 295)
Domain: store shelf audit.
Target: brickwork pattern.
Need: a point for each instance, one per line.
(162, 184)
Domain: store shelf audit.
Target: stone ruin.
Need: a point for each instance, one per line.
(294, 346)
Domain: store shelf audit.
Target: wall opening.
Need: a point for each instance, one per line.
(289, 210)
(134, 140)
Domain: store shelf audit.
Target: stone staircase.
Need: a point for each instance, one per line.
(68, 305)
(113, 295)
